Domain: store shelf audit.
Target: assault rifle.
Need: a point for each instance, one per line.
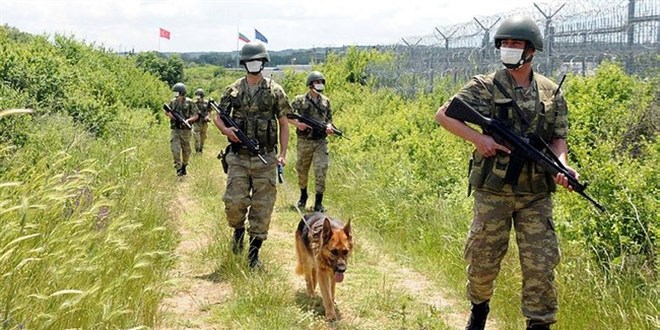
(315, 124)
(460, 110)
(251, 145)
(176, 115)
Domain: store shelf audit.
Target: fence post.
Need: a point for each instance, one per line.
(631, 35)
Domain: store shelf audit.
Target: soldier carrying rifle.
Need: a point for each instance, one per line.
(511, 190)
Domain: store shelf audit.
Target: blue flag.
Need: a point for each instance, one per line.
(259, 36)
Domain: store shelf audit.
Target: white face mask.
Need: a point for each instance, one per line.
(319, 87)
(511, 56)
(254, 66)
(175, 94)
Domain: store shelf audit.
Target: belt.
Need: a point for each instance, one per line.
(262, 151)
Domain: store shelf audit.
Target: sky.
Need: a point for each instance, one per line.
(213, 25)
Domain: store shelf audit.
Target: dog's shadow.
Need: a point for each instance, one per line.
(313, 304)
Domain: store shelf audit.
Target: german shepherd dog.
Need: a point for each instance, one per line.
(322, 247)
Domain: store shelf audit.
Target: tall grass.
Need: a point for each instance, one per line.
(84, 240)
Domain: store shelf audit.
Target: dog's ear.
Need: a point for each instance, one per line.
(347, 230)
(327, 230)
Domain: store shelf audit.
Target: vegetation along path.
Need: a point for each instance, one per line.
(212, 289)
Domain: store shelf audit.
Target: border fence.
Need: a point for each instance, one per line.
(578, 35)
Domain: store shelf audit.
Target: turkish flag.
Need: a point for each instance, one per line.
(164, 34)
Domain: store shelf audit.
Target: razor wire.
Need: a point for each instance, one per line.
(577, 35)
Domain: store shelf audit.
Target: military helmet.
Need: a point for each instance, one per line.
(199, 92)
(314, 76)
(179, 87)
(519, 28)
(254, 50)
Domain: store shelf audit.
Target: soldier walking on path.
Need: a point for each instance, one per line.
(202, 124)
(259, 106)
(312, 147)
(512, 191)
(180, 136)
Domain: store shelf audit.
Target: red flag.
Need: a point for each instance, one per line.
(164, 34)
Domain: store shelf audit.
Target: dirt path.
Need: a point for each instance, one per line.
(193, 295)
(192, 292)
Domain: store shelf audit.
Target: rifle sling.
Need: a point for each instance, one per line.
(321, 111)
(514, 104)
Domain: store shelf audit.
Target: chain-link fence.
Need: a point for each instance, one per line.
(578, 35)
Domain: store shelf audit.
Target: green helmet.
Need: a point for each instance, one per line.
(519, 28)
(199, 92)
(314, 76)
(179, 87)
(254, 50)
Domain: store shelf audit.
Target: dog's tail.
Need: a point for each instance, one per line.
(300, 248)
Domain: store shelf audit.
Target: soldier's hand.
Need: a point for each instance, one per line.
(230, 133)
(302, 126)
(562, 180)
(487, 147)
(329, 129)
(281, 160)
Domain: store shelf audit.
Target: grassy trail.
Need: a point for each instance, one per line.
(212, 289)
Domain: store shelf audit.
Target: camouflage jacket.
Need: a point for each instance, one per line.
(257, 113)
(186, 108)
(203, 107)
(318, 109)
(545, 115)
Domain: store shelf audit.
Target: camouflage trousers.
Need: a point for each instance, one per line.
(251, 192)
(180, 145)
(199, 132)
(316, 152)
(488, 240)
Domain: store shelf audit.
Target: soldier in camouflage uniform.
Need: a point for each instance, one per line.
(500, 202)
(259, 106)
(180, 136)
(312, 144)
(201, 125)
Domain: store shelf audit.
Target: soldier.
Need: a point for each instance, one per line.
(201, 125)
(312, 143)
(259, 106)
(499, 201)
(180, 136)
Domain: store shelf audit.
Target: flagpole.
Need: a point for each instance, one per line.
(238, 55)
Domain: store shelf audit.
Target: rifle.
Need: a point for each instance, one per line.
(251, 145)
(315, 124)
(176, 115)
(462, 111)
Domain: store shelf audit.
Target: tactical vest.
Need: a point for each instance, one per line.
(203, 107)
(491, 173)
(318, 110)
(256, 114)
(185, 108)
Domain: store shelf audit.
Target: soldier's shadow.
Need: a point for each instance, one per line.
(216, 276)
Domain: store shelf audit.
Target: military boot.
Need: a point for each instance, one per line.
(183, 170)
(253, 253)
(237, 240)
(478, 316)
(318, 204)
(303, 198)
(538, 327)
(179, 171)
